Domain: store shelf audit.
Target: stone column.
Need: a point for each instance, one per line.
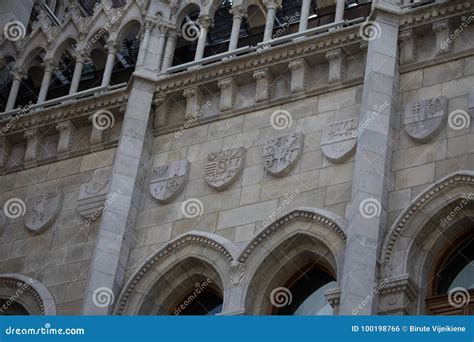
(372, 177)
(337, 67)
(149, 24)
(272, 6)
(116, 232)
(18, 75)
(205, 22)
(228, 89)
(169, 49)
(32, 145)
(305, 8)
(161, 108)
(299, 75)
(66, 131)
(264, 79)
(49, 67)
(340, 4)
(238, 13)
(76, 77)
(112, 48)
(161, 46)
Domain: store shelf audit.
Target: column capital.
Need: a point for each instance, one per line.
(334, 54)
(31, 134)
(205, 21)
(19, 74)
(238, 11)
(112, 46)
(49, 65)
(272, 4)
(441, 25)
(149, 23)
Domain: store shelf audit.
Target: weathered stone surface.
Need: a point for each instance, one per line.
(168, 180)
(281, 153)
(224, 167)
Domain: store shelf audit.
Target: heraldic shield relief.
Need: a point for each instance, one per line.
(43, 211)
(339, 140)
(281, 153)
(168, 180)
(423, 119)
(224, 167)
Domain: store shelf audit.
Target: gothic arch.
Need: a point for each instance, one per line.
(28, 292)
(188, 259)
(418, 236)
(301, 236)
(185, 10)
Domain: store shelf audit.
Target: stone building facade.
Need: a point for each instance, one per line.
(237, 158)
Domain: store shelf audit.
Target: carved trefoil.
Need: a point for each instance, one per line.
(92, 197)
(224, 167)
(42, 211)
(168, 180)
(280, 154)
(423, 119)
(339, 139)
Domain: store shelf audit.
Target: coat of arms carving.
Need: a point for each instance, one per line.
(224, 167)
(92, 197)
(281, 153)
(42, 211)
(168, 180)
(339, 139)
(423, 119)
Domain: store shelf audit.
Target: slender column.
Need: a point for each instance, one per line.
(149, 24)
(205, 22)
(305, 7)
(109, 66)
(76, 77)
(169, 49)
(272, 6)
(18, 75)
(340, 4)
(239, 13)
(161, 46)
(49, 66)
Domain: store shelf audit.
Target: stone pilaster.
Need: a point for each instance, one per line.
(229, 90)
(161, 109)
(299, 75)
(66, 130)
(97, 135)
(32, 145)
(5, 149)
(193, 102)
(337, 65)
(408, 46)
(442, 31)
(264, 80)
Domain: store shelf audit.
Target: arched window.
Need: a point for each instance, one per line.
(208, 302)
(307, 290)
(8, 308)
(452, 290)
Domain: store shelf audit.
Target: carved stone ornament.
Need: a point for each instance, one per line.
(42, 211)
(224, 167)
(339, 140)
(281, 153)
(92, 197)
(168, 180)
(424, 119)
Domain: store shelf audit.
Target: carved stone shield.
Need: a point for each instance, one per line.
(224, 167)
(42, 211)
(281, 153)
(92, 197)
(423, 119)
(168, 180)
(339, 139)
